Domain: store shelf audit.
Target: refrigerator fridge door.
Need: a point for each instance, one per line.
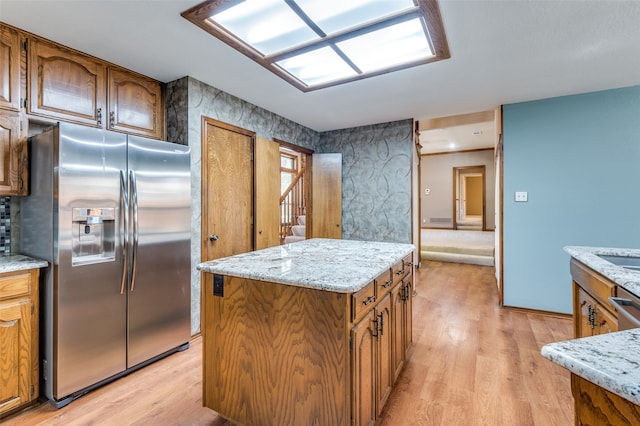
(89, 310)
(159, 295)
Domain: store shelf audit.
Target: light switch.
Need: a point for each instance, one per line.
(522, 196)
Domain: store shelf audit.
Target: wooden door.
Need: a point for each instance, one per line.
(227, 190)
(364, 371)
(267, 193)
(135, 104)
(385, 373)
(9, 68)
(326, 196)
(13, 155)
(66, 85)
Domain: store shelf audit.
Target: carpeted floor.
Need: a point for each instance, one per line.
(475, 247)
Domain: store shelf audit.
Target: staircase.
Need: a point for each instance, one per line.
(297, 231)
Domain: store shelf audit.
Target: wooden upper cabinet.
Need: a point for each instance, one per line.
(66, 85)
(9, 68)
(136, 104)
(13, 155)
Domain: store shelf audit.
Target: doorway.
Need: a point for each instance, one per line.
(227, 189)
(469, 198)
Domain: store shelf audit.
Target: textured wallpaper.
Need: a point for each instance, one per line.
(376, 180)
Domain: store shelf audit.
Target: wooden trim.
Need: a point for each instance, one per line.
(500, 151)
(538, 312)
(293, 146)
(457, 120)
(456, 152)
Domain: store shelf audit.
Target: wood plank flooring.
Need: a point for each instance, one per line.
(473, 363)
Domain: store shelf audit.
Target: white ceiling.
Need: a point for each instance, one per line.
(502, 51)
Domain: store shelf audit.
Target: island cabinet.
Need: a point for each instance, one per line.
(18, 339)
(592, 312)
(302, 354)
(70, 86)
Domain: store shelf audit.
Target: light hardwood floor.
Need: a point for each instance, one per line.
(472, 364)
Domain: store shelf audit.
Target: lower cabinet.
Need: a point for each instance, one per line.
(592, 314)
(18, 339)
(381, 341)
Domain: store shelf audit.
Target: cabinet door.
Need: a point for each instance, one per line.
(603, 321)
(136, 104)
(13, 155)
(15, 354)
(397, 319)
(363, 371)
(407, 319)
(384, 376)
(583, 313)
(9, 68)
(66, 85)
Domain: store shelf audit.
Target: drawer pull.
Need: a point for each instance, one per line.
(387, 284)
(368, 300)
(400, 272)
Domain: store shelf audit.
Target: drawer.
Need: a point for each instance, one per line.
(15, 284)
(599, 287)
(383, 284)
(402, 268)
(363, 301)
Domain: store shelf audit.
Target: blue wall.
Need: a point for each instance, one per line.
(579, 159)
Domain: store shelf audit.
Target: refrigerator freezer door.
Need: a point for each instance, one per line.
(160, 290)
(89, 313)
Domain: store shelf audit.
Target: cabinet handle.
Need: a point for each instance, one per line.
(112, 119)
(368, 300)
(387, 284)
(381, 323)
(99, 115)
(400, 272)
(375, 328)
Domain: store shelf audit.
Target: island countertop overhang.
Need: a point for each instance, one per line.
(343, 266)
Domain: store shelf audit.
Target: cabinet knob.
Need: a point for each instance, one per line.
(213, 237)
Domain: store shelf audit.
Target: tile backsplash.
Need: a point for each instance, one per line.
(5, 226)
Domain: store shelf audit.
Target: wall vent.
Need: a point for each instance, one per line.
(440, 219)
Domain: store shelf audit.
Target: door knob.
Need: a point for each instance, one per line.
(213, 237)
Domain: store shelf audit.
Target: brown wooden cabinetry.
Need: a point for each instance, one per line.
(298, 355)
(9, 68)
(70, 86)
(592, 313)
(18, 339)
(13, 155)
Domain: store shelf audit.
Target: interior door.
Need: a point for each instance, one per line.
(227, 190)
(326, 196)
(267, 193)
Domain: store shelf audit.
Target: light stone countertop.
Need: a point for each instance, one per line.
(343, 266)
(626, 278)
(611, 361)
(19, 262)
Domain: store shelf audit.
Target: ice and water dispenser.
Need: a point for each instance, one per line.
(93, 235)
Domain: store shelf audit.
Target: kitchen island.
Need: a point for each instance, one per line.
(313, 332)
(605, 368)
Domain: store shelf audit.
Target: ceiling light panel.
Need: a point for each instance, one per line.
(314, 44)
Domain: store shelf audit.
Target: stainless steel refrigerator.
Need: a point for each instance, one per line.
(111, 214)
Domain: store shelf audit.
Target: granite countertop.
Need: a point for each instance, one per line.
(343, 266)
(626, 278)
(611, 361)
(19, 262)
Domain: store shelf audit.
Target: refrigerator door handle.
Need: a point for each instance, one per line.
(134, 202)
(124, 205)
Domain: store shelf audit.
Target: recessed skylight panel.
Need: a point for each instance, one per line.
(336, 15)
(266, 25)
(314, 44)
(388, 47)
(317, 67)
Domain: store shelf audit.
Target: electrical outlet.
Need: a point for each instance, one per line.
(522, 196)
